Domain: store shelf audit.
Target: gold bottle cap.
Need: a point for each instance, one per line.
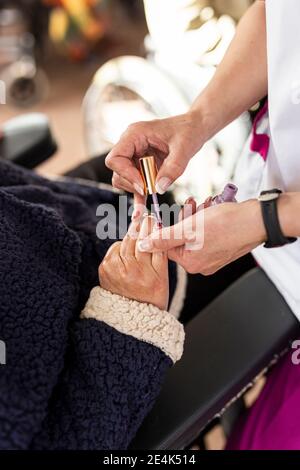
(148, 170)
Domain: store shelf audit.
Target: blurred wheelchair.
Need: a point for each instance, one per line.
(25, 82)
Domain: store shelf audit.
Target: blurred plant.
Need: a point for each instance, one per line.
(77, 25)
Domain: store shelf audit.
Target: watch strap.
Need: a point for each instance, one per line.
(271, 220)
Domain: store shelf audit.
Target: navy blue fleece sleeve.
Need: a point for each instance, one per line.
(37, 294)
(107, 389)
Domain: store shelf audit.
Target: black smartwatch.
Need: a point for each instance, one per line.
(268, 201)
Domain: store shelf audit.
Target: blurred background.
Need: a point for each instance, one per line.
(94, 66)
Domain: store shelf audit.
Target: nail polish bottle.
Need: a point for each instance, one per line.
(228, 195)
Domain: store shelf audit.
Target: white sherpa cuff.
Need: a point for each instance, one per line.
(142, 321)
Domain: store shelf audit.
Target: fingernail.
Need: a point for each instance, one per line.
(133, 230)
(207, 202)
(138, 189)
(145, 245)
(190, 236)
(162, 185)
(158, 226)
(189, 201)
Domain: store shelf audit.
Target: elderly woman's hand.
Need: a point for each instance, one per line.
(140, 276)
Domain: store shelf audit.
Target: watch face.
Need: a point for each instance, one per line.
(268, 197)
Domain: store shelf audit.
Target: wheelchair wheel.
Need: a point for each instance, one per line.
(125, 90)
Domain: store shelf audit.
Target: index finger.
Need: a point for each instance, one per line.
(163, 240)
(120, 160)
(187, 231)
(147, 226)
(129, 242)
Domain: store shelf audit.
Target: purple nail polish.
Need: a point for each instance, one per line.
(228, 195)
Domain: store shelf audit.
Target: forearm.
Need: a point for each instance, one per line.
(241, 78)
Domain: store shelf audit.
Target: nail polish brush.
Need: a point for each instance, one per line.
(149, 172)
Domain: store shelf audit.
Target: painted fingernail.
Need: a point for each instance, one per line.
(138, 189)
(189, 201)
(157, 226)
(207, 202)
(145, 245)
(162, 185)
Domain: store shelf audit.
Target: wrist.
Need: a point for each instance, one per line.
(258, 222)
(212, 118)
(256, 226)
(288, 208)
(202, 117)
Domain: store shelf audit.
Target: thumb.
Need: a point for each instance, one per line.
(189, 208)
(172, 167)
(168, 238)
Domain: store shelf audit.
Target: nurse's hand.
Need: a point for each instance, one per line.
(215, 237)
(130, 273)
(173, 141)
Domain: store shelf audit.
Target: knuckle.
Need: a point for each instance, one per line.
(133, 128)
(137, 128)
(115, 181)
(191, 269)
(108, 159)
(117, 246)
(176, 168)
(160, 244)
(161, 241)
(103, 269)
(207, 271)
(113, 251)
(128, 260)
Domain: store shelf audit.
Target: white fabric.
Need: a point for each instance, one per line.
(282, 168)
